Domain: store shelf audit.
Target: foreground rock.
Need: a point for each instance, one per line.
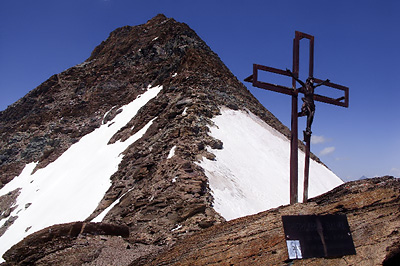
(72, 244)
(371, 206)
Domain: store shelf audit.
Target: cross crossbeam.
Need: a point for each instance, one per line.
(253, 78)
(341, 101)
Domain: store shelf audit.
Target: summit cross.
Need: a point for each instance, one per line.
(308, 108)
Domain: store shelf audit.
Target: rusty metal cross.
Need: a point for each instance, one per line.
(341, 101)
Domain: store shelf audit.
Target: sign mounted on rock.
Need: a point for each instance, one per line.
(309, 236)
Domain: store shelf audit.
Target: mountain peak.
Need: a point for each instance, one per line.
(152, 132)
(127, 39)
(159, 18)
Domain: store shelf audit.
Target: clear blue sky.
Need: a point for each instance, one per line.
(356, 44)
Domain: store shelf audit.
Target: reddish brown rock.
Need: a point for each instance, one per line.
(371, 206)
(63, 239)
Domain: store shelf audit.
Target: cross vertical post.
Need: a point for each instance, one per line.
(294, 124)
(341, 101)
(294, 129)
(294, 154)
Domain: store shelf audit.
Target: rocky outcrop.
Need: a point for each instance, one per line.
(371, 206)
(7, 205)
(79, 242)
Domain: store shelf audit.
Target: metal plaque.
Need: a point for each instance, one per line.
(316, 236)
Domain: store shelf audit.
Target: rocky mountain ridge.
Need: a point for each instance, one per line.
(160, 193)
(55, 115)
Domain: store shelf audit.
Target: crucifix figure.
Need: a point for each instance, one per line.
(308, 108)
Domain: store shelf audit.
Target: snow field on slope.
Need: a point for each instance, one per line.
(251, 172)
(70, 188)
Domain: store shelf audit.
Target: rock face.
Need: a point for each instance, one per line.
(371, 207)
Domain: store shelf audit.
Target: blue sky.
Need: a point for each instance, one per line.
(356, 45)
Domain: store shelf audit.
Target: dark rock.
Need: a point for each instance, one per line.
(393, 255)
(216, 144)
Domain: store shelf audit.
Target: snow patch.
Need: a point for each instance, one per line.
(70, 188)
(105, 115)
(171, 152)
(184, 113)
(251, 173)
(176, 228)
(174, 75)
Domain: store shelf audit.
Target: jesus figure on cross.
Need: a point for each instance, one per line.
(308, 107)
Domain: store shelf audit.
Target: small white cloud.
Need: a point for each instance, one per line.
(327, 150)
(318, 139)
